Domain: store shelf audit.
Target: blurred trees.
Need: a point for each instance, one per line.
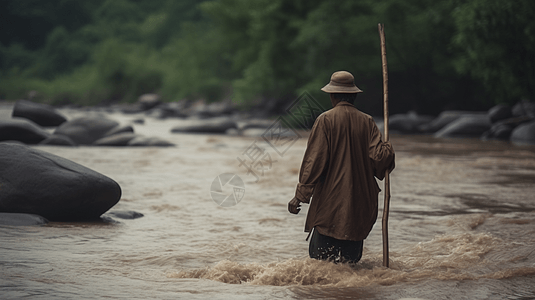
(464, 54)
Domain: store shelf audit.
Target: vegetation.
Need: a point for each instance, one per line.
(463, 54)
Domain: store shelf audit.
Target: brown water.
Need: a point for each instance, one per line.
(462, 226)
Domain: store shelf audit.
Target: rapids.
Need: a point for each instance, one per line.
(462, 226)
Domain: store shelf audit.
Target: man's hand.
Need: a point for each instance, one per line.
(294, 206)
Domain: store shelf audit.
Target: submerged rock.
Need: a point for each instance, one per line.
(465, 127)
(36, 182)
(143, 141)
(17, 219)
(214, 125)
(58, 140)
(86, 130)
(119, 129)
(21, 130)
(42, 114)
(120, 139)
(124, 214)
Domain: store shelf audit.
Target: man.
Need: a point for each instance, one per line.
(344, 153)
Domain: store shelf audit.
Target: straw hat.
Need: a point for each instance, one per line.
(341, 82)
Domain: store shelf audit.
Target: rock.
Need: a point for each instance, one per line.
(524, 108)
(21, 130)
(524, 134)
(120, 139)
(443, 119)
(498, 131)
(36, 182)
(214, 125)
(148, 101)
(407, 123)
(41, 114)
(139, 121)
(142, 141)
(17, 219)
(86, 130)
(58, 140)
(168, 110)
(125, 214)
(257, 123)
(466, 126)
(119, 129)
(500, 112)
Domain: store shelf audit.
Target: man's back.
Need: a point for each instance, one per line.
(344, 153)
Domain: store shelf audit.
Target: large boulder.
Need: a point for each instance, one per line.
(214, 125)
(524, 108)
(36, 182)
(86, 130)
(15, 219)
(443, 119)
(467, 126)
(524, 134)
(500, 112)
(21, 130)
(42, 114)
(407, 123)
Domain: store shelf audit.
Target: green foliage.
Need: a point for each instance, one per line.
(497, 40)
(441, 54)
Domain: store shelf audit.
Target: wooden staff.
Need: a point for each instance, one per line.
(386, 259)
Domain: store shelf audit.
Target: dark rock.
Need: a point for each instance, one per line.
(500, 112)
(498, 131)
(120, 139)
(215, 125)
(119, 129)
(142, 141)
(524, 134)
(36, 182)
(42, 114)
(58, 140)
(257, 123)
(466, 126)
(524, 108)
(21, 130)
(86, 130)
(148, 101)
(407, 123)
(139, 121)
(125, 214)
(443, 119)
(17, 219)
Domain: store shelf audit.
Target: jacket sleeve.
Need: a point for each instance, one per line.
(314, 162)
(381, 153)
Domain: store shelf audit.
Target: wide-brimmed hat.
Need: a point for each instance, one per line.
(341, 82)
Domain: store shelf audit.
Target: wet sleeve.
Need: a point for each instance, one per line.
(314, 161)
(381, 153)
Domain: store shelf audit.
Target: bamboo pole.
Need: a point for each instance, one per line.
(386, 208)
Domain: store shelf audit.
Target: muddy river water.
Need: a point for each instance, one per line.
(462, 226)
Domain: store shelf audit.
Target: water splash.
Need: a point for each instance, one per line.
(446, 257)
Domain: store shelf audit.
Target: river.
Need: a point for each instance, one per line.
(461, 226)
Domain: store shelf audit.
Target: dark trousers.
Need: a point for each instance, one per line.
(327, 248)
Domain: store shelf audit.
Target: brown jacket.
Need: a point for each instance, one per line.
(344, 153)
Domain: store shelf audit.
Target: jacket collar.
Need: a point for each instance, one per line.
(344, 103)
